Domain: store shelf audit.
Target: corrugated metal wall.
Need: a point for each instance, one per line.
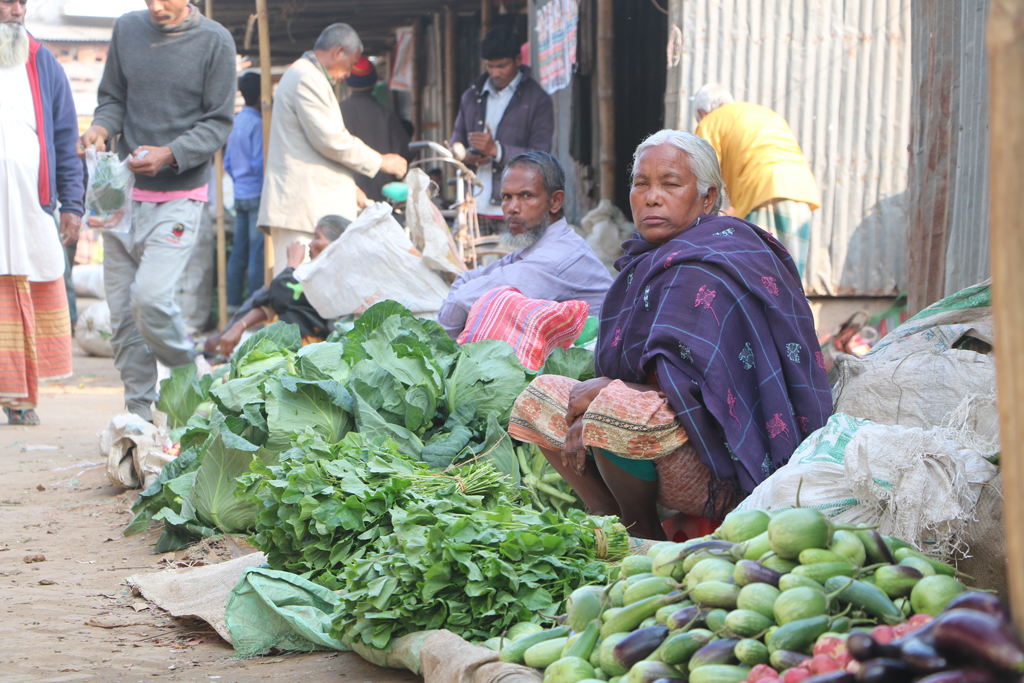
(967, 255)
(948, 185)
(839, 71)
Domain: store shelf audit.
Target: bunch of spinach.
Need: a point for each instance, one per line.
(472, 571)
(324, 504)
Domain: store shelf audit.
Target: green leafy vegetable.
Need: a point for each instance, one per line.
(294, 404)
(213, 493)
(489, 375)
(574, 362)
(181, 394)
(472, 571)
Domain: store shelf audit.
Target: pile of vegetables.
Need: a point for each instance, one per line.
(770, 596)
(390, 377)
(474, 571)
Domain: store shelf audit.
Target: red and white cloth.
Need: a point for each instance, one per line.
(533, 327)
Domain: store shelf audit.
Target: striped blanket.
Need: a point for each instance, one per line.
(35, 338)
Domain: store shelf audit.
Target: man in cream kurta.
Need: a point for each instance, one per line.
(312, 157)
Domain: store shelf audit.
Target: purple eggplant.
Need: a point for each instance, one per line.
(786, 659)
(838, 676)
(691, 617)
(638, 645)
(978, 637)
(722, 547)
(922, 657)
(670, 680)
(960, 676)
(715, 652)
(884, 670)
(981, 602)
(748, 571)
(878, 552)
(863, 647)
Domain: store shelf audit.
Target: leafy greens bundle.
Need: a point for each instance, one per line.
(472, 571)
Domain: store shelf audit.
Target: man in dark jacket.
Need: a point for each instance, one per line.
(374, 124)
(38, 168)
(503, 114)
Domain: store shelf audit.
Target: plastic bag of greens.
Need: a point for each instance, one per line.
(108, 196)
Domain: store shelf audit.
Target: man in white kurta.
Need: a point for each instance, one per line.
(312, 157)
(38, 166)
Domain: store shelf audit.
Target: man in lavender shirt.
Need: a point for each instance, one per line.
(551, 261)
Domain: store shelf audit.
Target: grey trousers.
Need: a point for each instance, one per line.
(141, 269)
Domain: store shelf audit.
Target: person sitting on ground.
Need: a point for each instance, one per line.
(284, 296)
(708, 373)
(550, 260)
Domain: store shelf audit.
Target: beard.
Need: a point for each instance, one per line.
(13, 45)
(525, 239)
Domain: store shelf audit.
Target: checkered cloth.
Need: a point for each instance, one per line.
(790, 223)
(532, 327)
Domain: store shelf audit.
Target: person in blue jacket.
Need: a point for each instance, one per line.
(243, 161)
(39, 167)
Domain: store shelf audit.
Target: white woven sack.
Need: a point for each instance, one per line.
(93, 330)
(373, 260)
(921, 485)
(429, 232)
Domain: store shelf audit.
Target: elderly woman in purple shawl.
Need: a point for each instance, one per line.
(708, 369)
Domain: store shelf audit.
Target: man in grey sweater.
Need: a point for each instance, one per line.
(168, 90)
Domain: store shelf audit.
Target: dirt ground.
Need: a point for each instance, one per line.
(68, 615)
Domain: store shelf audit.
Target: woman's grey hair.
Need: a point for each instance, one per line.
(332, 226)
(551, 173)
(703, 160)
(710, 97)
(339, 35)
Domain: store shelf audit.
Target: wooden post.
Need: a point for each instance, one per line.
(486, 17)
(606, 96)
(266, 108)
(416, 96)
(222, 249)
(1005, 41)
(450, 95)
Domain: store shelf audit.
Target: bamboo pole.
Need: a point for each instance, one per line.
(606, 96)
(1005, 42)
(222, 248)
(486, 16)
(266, 108)
(450, 95)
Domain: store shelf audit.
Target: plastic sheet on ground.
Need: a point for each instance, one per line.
(134, 449)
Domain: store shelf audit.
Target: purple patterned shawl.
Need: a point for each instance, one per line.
(718, 316)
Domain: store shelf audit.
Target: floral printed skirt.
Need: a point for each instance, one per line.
(633, 425)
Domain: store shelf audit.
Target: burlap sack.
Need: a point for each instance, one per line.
(447, 658)
(986, 537)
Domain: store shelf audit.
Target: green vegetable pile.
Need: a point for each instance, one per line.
(324, 504)
(473, 571)
(770, 597)
(392, 376)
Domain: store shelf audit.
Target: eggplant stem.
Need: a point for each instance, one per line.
(799, 486)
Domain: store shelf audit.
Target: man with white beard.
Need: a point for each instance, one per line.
(38, 168)
(551, 261)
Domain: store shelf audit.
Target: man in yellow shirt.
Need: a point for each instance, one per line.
(768, 179)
